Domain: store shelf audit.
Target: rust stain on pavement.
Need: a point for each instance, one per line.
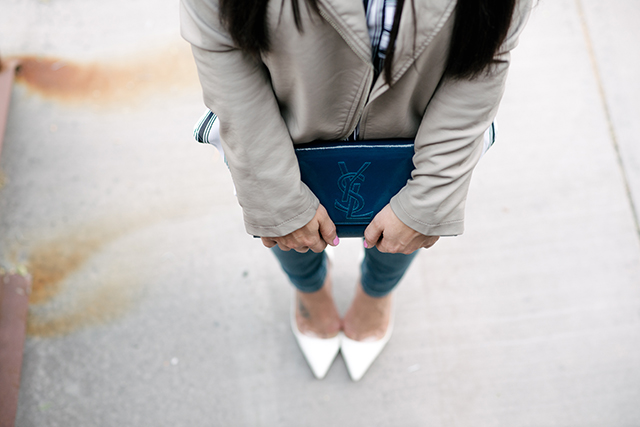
(107, 82)
(51, 262)
(71, 289)
(108, 302)
(55, 310)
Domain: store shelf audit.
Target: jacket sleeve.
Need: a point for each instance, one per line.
(449, 143)
(257, 144)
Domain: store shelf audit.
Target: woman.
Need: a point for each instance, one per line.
(285, 72)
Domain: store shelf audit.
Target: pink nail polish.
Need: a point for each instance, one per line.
(336, 241)
(365, 244)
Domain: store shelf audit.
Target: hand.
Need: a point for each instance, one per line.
(391, 235)
(316, 235)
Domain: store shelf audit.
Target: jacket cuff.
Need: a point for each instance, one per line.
(290, 225)
(453, 227)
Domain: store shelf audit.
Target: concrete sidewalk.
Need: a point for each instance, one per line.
(152, 307)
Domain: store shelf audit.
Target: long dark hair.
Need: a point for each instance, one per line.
(480, 28)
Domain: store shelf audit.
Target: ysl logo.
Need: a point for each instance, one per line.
(352, 202)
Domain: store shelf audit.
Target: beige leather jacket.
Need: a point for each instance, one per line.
(317, 85)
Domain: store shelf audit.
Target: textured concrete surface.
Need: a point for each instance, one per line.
(614, 45)
(152, 307)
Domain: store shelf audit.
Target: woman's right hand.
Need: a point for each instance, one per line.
(316, 235)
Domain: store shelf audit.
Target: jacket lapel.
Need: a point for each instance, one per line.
(433, 14)
(348, 18)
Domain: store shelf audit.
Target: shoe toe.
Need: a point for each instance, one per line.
(360, 355)
(318, 352)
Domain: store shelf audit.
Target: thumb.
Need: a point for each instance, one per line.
(327, 229)
(372, 234)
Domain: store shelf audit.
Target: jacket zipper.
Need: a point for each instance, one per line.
(367, 91)
(355, 121)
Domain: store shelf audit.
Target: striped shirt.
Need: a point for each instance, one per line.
(380, 14)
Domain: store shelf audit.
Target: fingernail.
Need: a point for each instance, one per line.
(336, 241)
(365, 244)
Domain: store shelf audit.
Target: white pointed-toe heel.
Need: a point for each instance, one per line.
(359, 355)
(319, 352)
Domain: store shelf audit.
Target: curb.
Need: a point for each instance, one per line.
(14, 302)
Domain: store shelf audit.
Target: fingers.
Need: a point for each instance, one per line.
(398, 247)
(268, 242)
(315, 244)
(392, 246)
(326, 227)
(319, 232)
(391, 235)
(301, 244)
(372, 234)
(314, 241)
(430, 241)
(315, 235)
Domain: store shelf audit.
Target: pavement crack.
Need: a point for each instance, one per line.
(607, 113)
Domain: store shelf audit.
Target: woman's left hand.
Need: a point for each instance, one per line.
(389, 234)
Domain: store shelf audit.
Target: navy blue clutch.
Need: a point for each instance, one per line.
(355, 180)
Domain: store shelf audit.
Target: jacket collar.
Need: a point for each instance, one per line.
(430, 16)
(348, 18)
